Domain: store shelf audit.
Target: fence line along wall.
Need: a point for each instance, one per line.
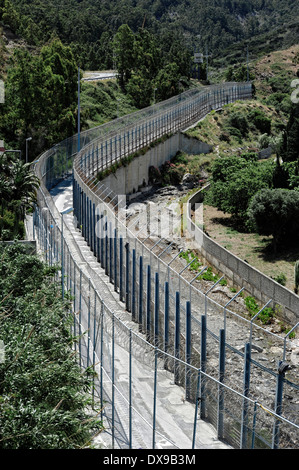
(153, 124)
(129, 179)
(163, 304)
(240, 272)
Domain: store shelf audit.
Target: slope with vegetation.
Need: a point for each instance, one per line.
(44, 395)
(220, 25)
(43, 392)
(252, 205)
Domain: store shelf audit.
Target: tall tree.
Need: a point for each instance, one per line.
(290, 150)
(123, 47)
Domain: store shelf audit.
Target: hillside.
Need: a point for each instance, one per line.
(233, 131)
(221, 27)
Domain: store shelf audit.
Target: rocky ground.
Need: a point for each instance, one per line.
(267, 344)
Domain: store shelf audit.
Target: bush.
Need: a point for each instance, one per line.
(11, 228)
(238, 121)
(44, 392)
(171, 173)
(281, 279)
(233, 131)
(276, 212)
(251, 305)
(260, 121)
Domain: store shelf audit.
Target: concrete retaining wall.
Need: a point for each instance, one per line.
(129, 179)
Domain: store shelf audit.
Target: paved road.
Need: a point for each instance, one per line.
(95, 76)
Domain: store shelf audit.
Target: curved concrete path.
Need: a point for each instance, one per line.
(175, 416)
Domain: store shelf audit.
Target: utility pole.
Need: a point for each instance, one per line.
(27, 140)
(247, 64)
(79, 144)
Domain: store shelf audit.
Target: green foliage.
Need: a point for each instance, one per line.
(290, 148)
(276, 212)
(281, 279)
(10, 228)
(260, 121)
(101, 102)
(40, 98)
(43, 392)
(89, 26)
(251, 305)
(188, 256)
(239, 74)
(171, 173)
(265, 316)
(18, 187)
(145, 70)
(235, 180)
(238, 121)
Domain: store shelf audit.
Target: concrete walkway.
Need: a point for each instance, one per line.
(175, 416)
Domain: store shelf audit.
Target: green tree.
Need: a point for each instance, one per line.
(41, 97)
(235, 180)
(140, 89)
(123, 54)
(290, 150)
(167, 82)
(276, 212)
(18, 186)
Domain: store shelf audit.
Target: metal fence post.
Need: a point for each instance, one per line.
(106, 250)
(115, 260)
(133, 301)
(101, 359)
(102, 241)
(148, 302)
(278, 407)
(110, 253)
(156, 319)
(177, 336)
(220, 427)
(127, 277)
(203, 360)
(94, 248)
(166, 317)
(140, 313)
(155, 398)
(130, 389)
(188, 348)
(121, 268)
(94, 342)
(80, 315)
(244, 426)
(113, 380)
(88, 323)
(196, 409)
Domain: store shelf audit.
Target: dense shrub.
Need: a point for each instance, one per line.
(276, 212)
(44, 401)
(260, 121)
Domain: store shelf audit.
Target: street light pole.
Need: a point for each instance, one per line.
(27, 140)
(79, 144)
